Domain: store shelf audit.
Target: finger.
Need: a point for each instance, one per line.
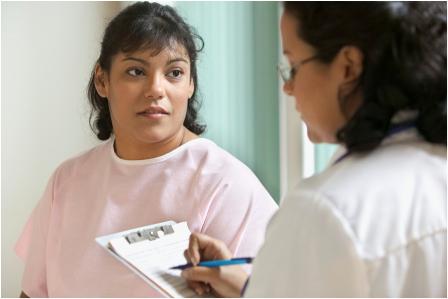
(201, 274)
(193, 249)
(203, 247)
(187, 255)
(219, 250)
(198, 287)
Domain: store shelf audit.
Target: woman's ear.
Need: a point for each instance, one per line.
(349, 70)
(351, 59)
(191, 89)
(101, 82)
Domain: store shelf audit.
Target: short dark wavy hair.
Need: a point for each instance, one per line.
(404, 47)
(144, 25)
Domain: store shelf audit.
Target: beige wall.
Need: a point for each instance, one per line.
(48, 50)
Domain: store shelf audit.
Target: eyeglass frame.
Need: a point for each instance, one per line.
(282, 68)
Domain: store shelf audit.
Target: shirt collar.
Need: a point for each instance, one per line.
(410, 134)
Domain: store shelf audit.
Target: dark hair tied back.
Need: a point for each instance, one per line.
(141, 26)
(404, 47)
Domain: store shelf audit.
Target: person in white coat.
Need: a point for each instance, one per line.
(370, 76)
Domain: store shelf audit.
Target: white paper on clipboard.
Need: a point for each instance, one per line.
(151, 257)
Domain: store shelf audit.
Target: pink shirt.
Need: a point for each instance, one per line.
(98, 193)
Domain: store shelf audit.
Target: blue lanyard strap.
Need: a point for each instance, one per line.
(394, 129)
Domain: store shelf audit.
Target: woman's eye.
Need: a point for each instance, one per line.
(292, 72)
(135, 72)
(175, 74)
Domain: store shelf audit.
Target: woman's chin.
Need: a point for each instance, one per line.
(313, 137)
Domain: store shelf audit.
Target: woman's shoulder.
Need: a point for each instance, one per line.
(86, 159)
(214, 157)
(215, 166)
(379, 192)
(392, 176)
(388, 167)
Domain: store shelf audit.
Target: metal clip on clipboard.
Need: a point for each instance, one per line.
(150, 234)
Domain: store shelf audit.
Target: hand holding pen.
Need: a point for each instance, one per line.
(224, 281)
(216, 263)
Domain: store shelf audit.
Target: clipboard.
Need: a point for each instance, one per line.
(150, 251)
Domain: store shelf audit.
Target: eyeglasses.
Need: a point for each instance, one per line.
(288, 72)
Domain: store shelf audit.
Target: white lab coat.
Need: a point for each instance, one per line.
(371, 225)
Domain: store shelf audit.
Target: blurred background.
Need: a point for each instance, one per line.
(48, 50)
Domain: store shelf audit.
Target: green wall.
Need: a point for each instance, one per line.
(238, 81)
(322, 155)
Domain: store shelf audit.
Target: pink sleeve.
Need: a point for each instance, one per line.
(31, 246)
(238, 215)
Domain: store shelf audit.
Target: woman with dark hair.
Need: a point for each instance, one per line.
(370, 76)
(152, 168)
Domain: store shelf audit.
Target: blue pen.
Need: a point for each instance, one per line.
(216, 263)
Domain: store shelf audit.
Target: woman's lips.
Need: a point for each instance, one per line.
(153, 113)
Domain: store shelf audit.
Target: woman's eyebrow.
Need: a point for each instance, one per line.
(136, 59)
(177, 60)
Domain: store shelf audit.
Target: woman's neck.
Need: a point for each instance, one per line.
(135, 150)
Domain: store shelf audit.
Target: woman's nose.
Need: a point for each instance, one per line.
(287, 87)
(154, 89)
